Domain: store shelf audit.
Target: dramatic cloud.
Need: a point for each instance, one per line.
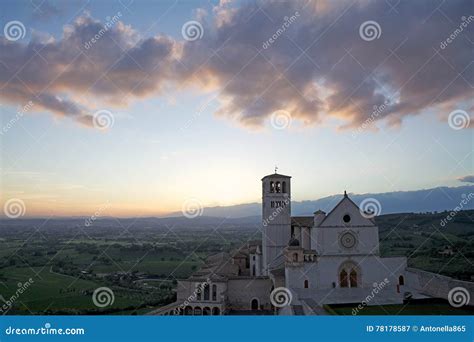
(90, 63)
(467, 179)
(302, 57)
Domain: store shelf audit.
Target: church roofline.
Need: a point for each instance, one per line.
(275, 175)
(337, 205)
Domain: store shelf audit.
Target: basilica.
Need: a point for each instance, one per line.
(301, 264)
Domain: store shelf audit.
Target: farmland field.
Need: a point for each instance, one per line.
(142, 263)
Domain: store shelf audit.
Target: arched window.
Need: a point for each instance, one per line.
(295, 257)
(198, 292)
(206, 311)
(197, 311)
(216, 311)
(283, 187)
(253, 270)
(214, 292)
(306, 284)
(401, 280)
(349, 274)
(272, 187)
(206, 291)
(254, 304)
(343, 278)
(278, 187)
(353, 278)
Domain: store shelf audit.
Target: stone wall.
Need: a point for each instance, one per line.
(436, 285)
(240, 292)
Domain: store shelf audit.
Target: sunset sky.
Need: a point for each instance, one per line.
(295, 84)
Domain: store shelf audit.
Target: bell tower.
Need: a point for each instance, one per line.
(276, 218)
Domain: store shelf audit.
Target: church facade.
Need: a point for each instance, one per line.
(301, 264)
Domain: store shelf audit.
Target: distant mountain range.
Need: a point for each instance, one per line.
(249, 215)
(429, 200)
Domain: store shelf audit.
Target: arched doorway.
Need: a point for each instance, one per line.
(206, 311)
(216, 311)
(188, 311)
(353, 278)
(254, 304)
(343, 278)
(197, 311)
(349, 275)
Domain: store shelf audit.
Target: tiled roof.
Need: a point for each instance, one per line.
(302, 221)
